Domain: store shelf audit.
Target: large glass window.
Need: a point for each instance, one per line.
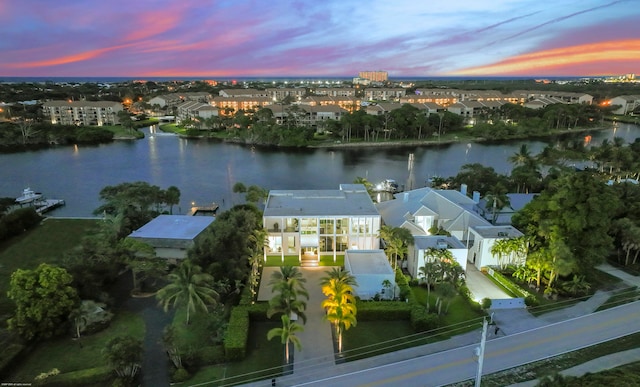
(291, 244)
(342, 243)
(326, 244)
(342, 226)
(275, 244)
(326, 226)
(308, 226)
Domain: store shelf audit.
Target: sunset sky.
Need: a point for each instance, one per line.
(255, 38)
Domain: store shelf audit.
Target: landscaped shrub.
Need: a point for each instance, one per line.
(383, 310)
(531, 300)
(212, 354)
(237, 335)
(422, 321)
(19, 221)
(86, 377)
(403, 283)
(486, 303)
(180, 375)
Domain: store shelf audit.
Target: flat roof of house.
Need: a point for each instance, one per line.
(173, 227)
(497, 231)
(364, 262)
(349, 200)
(424, 242)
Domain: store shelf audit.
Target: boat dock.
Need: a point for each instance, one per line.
(47, 205)
(204, 210)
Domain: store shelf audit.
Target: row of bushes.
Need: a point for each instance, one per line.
(237, 335)
(16, 222)
(507, 284)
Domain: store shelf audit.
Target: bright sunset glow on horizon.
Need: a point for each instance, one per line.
(236, 38)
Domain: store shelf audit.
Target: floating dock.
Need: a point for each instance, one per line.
(47, 205)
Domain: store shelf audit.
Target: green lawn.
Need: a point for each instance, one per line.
(276, 261)
(67, 354)
(371, 338)
(46, 243)
(264, 360)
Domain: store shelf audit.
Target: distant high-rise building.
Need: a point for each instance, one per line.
(374, 76)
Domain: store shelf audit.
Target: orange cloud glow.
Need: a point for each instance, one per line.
(83, 56)
(558, 60)
(154, 23)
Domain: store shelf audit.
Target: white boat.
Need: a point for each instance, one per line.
(28, 196)
(388, 185)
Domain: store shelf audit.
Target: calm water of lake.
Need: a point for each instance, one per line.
(206, 171)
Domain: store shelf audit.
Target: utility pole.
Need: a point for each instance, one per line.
(480, 352)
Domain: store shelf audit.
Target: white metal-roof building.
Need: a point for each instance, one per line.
(172, 235)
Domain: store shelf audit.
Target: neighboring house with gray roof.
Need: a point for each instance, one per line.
(425, 210)
(172, 235)
(315, 225)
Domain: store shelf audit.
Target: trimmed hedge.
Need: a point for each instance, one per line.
(237, 334)
(421, 321)
(510, 286)
(86, 377)
(383, 310)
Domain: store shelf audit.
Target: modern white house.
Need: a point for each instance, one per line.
(172, 235)
(419, 253)
(445, 219)
(482, 239)
(371, 270)
(315, 225)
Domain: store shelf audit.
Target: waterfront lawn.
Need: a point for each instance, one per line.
(46, 243)
(264, 360)
(67, 354)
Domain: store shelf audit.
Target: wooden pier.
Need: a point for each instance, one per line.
(47, 205)
(204, 210)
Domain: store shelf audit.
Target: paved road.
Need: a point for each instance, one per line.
(502, 353)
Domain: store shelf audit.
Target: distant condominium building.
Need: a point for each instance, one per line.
(82, 112)
(374, 76)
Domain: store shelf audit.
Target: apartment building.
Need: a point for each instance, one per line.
(248, 93)
(627, 103)
(335, 91)
(374, 76)
(174, 99)
(384, 93)
(230, 105)
(85, 113)
(195, 110)
(278, 94)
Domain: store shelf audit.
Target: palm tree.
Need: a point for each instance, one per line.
(340, 306)
(189, 287)
(429, 272)
(287, 334)
(522, 157)
(340, 275)
(288, 286)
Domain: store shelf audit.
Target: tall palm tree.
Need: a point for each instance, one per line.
(340, 306)
(340, 275)
(188, 287)
(287, 334)
(288, 287)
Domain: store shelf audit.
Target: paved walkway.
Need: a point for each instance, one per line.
(627, 278)
(482, 287)
(317, 342)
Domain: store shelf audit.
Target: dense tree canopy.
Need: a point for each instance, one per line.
(44, 299)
